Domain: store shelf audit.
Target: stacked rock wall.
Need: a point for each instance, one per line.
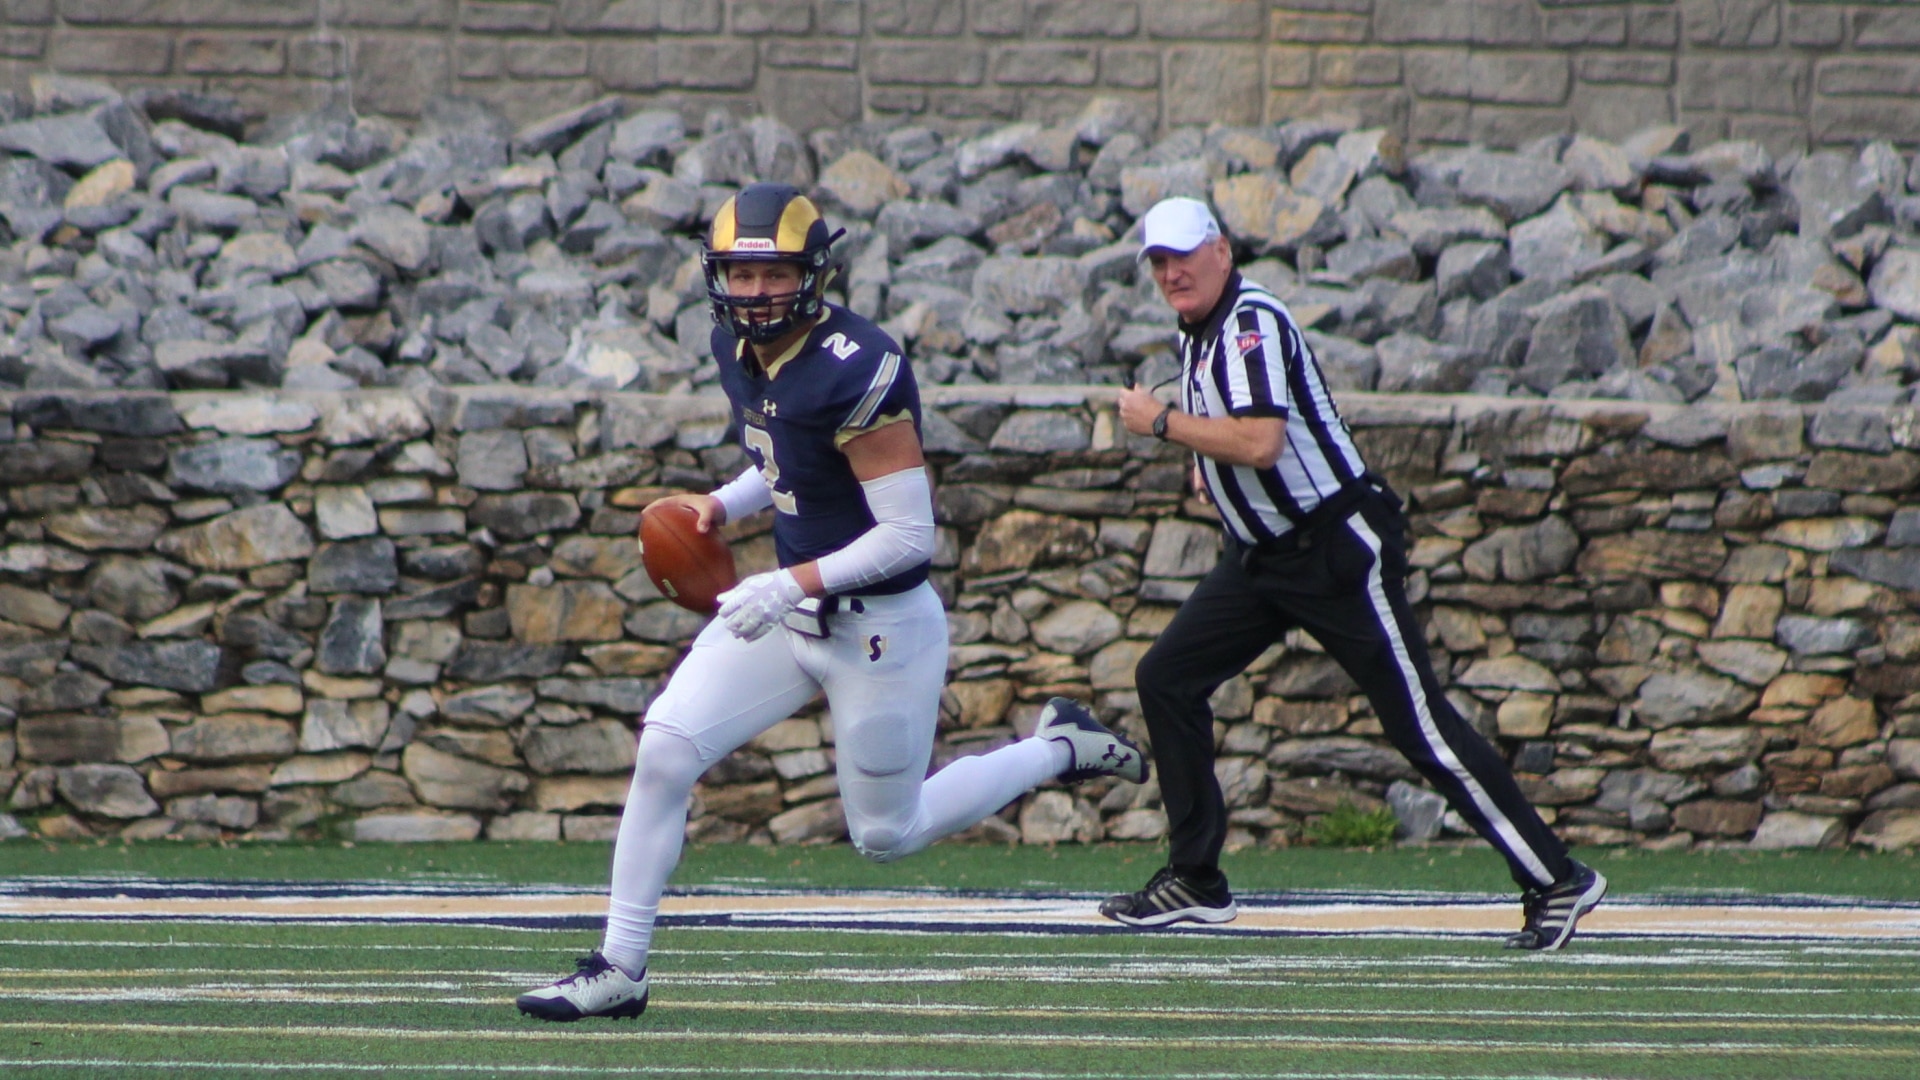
(1494, 71)
(143, 248)
(383, 615)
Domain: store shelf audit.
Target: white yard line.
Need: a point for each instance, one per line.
(129, 1066)
(1047, 1040)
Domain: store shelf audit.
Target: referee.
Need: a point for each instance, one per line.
(1313, 540)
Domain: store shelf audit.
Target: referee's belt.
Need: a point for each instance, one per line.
(1331, 511)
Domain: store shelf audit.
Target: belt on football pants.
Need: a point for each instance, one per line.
(809, 616)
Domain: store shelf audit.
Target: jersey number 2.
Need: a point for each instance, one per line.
(760, 444)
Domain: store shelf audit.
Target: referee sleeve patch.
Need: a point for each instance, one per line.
(1247, 342)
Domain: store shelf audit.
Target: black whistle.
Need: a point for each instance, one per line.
(1127, 380)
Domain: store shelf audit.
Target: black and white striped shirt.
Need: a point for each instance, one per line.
(1249, 359)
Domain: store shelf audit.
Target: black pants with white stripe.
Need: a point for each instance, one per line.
(1347, 590)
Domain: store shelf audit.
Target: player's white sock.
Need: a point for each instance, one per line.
(652, 828)
(629, 936)
(970, 788)
(1062, 755)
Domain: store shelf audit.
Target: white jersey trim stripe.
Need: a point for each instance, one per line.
(877, 391)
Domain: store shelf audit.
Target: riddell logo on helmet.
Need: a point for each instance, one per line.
(754, 243)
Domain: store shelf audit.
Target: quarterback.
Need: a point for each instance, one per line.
(829, 416)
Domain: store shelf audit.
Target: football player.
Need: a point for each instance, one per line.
(829, 415)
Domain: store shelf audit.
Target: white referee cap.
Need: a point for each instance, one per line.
(1179, 224)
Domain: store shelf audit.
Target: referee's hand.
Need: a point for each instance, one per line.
(1138, 409)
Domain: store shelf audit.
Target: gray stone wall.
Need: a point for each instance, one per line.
(393, 616)
(1495, 72)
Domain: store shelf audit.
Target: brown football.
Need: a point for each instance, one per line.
(689, 567)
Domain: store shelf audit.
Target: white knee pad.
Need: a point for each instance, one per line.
(881, 843)
(881, 746)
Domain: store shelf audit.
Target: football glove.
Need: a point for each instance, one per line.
(755, 606)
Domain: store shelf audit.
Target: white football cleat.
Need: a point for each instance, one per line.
(596, 989)
(1096, 750)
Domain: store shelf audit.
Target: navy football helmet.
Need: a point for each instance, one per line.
(768, 223)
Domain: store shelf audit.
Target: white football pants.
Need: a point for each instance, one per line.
(882, 669)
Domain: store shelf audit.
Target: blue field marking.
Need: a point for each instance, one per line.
(1289, 913)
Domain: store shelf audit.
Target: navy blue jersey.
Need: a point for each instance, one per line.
(846, 378)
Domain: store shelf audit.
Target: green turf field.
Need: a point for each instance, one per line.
(117, 998)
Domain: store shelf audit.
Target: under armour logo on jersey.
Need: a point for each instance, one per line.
(772, 408)
(876, 645)
(841, 346)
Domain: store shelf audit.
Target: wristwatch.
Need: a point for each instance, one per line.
(1160, 423)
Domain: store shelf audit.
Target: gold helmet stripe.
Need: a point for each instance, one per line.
(795, 220)
(725, 224)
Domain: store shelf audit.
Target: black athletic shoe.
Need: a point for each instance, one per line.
(1553, 911)
(596, 989)
(1170, 898)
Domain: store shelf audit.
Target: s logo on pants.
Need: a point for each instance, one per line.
(876, 646)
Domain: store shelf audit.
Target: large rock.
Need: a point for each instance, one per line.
(415, 827)
(1786, 829)
(191, 666)
(76, 140)
(351, 641)
(488, 706)
(1513, 186)
(821, 822)
(1028, 286)
(235, 737)
(41, 461)
(107, 528)
(488, 661)
(1682, 750)
(1077, 628)
(331, 724)
(448, 780)
(357, 566)
(524, 515)
(113, 791)
(1056, 817)
(233, 465)
(241, 540)
(1356, 757)
(565, 611)
(627, 696)
(121, 414)
(77, 737)
(598, 746)
(1580, 335)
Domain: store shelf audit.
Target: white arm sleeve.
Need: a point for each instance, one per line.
(745, 494)
(901, 537)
